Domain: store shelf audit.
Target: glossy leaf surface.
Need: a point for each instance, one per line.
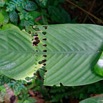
(95, 99)
(18, 58)
(72, 52)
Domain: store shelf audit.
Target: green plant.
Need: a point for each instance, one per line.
(2, 93)
(36, 50)
(19, 88)
(34, 56)
(95, 99)
(35, 47)
(25, 13)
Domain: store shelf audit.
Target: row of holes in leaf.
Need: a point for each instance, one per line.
(36, 42)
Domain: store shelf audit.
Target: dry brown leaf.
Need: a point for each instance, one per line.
(9, 96)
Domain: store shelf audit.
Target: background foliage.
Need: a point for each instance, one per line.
(26, 13)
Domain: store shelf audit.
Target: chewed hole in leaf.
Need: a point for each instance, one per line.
(45, 39)
(44, 64)
(40, 62)
(36, 41)
(44, 55)
(43, 61)
(44, 50)
(36, 38)
(45, 45)
(36, 50)
(45, 27)
(44, 33)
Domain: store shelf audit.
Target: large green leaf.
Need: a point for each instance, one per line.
(95, 99)
(72, 51)
(18, 57)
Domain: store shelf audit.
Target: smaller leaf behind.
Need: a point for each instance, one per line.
(98, 69)
(13, 17)
(1, 18)
(95, 99)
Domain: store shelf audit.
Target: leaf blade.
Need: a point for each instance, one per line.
(76, 47)
(17, 55)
